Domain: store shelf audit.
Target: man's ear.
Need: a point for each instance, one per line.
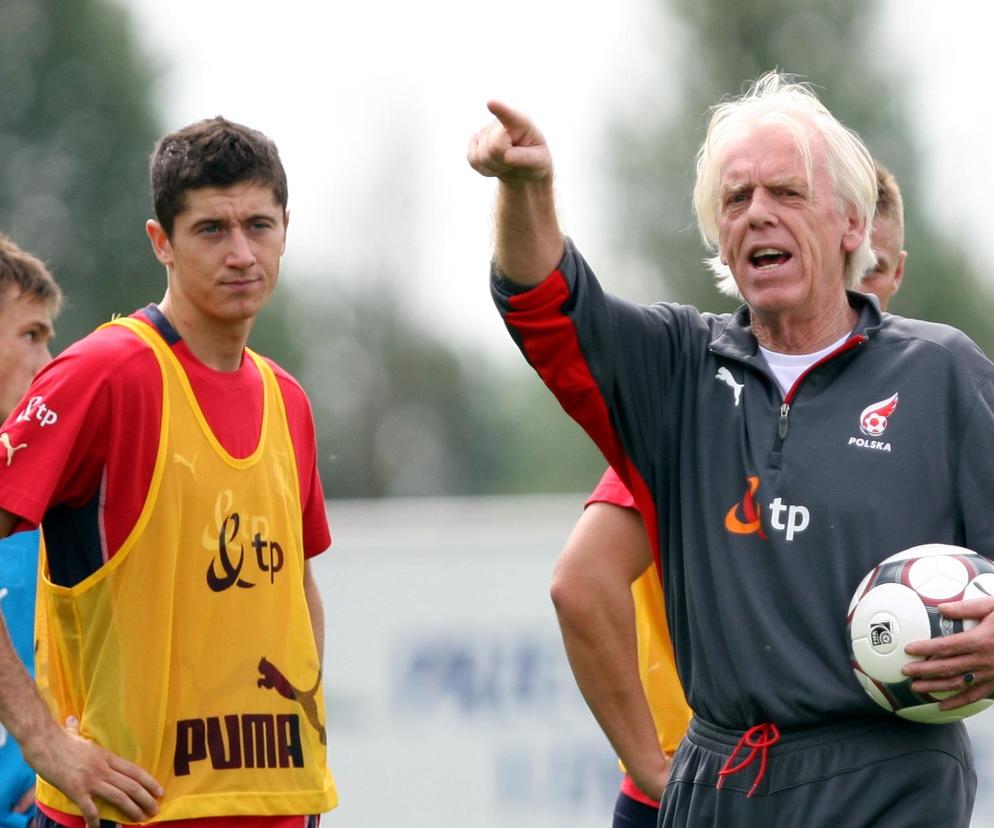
(161, 246)
(854, 230)
(899, 270)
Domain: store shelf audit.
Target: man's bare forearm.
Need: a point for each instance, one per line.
(528, 242)
(601, 649)
(83, 771)
(591, 590)
(22, 710)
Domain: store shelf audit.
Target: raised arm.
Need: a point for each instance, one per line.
(82, 770)
(528, 242)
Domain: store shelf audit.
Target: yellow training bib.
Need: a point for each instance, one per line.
(191, 651)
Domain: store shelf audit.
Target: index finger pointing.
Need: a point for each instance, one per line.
(516, 123)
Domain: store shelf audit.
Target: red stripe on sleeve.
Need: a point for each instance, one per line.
(549, 341)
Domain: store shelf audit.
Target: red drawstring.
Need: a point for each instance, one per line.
(759, 737)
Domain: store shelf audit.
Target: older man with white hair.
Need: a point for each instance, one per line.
(764, 501)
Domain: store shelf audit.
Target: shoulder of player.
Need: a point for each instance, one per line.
(284, 377)
(954, 342)
(104, 354)
(936, 355)
(109, 364)
(293, 392)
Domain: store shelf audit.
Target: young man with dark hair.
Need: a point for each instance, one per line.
(174, 473)
(29, 302)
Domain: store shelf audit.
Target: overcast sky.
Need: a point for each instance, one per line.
(372, 104)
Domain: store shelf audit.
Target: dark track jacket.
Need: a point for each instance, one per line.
(765, 512)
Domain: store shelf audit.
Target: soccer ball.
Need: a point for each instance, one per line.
(895, 604)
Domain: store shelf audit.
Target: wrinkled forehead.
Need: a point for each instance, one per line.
(770, 149)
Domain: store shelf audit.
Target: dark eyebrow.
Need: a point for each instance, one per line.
(207, 220)
(43, 327)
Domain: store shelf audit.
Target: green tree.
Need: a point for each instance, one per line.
(76, 129)
(399, 413)
(720, 45)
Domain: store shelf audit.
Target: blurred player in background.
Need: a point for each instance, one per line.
(29, 303)
(174, 472)
(885, 277)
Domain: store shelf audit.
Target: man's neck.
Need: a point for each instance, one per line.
(786, 334)
(218, 346)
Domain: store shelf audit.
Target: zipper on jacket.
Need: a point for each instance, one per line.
(783, 421)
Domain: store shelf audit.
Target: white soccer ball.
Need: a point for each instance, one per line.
(897, 603)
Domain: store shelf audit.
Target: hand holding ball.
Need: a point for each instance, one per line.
(897, 603)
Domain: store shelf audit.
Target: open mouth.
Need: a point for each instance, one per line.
(767, 258)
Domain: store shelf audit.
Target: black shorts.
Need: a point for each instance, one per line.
(881, 772)
(630, 813)
(43, 821)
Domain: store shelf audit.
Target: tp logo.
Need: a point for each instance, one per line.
(784, 517)
(798, 518)
(752, 522)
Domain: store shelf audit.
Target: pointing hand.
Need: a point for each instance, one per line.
(510, 148)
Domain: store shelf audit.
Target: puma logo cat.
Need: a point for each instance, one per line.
(273, 679)
(725, 376)
(10, 449)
